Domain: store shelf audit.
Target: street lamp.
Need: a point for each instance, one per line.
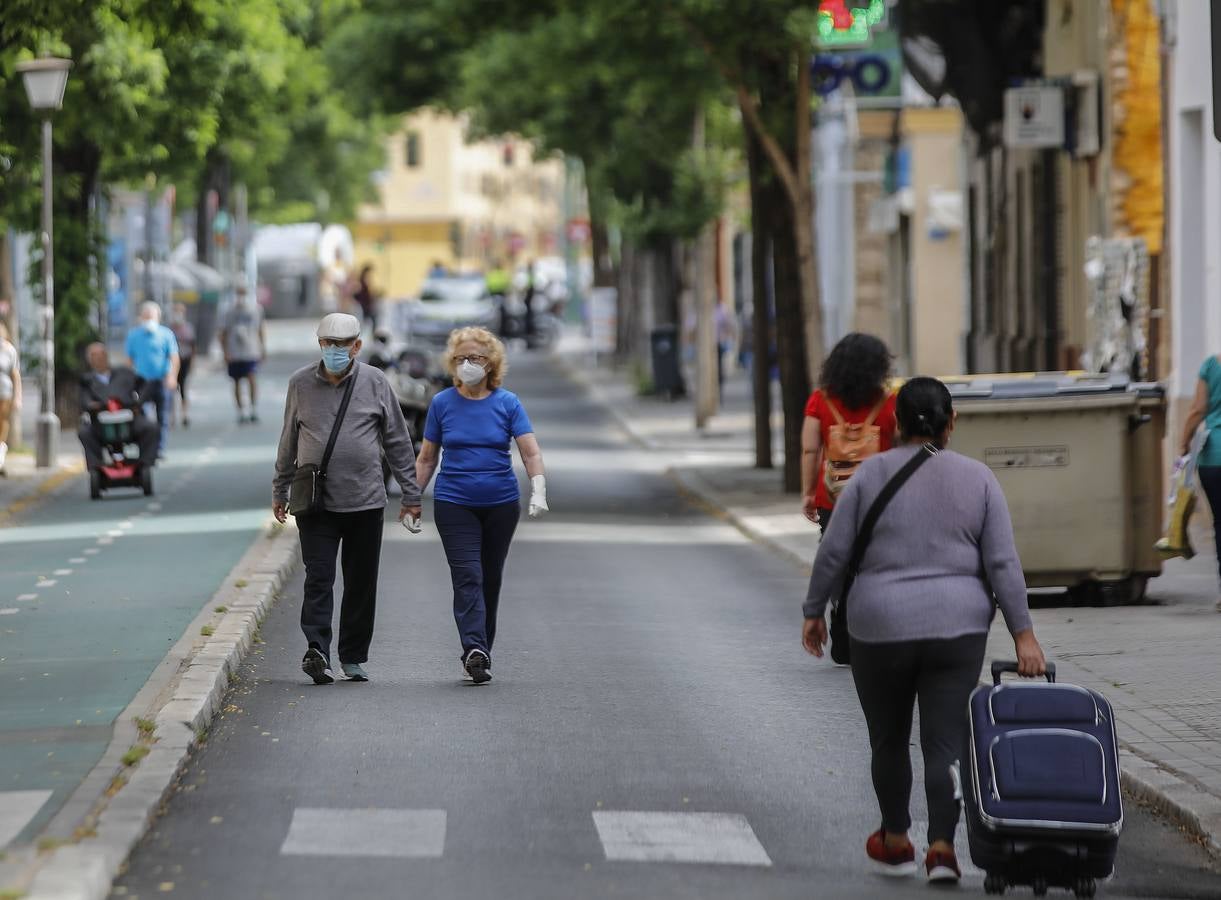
(45, 80)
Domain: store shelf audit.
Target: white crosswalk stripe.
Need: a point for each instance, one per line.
(404, 833)
(17, 808)
(687, 837)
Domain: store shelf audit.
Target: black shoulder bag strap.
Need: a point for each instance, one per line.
(839, 615)
(343, 411)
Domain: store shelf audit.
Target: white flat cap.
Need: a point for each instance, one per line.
(339, 327)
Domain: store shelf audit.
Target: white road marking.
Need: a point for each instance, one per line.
(17, 808)
(695, 837)
(23, 598)
(78, 560)
(62, 572)
(105, 540)
(126, 524)
(9, 611)
(114, 533)
(404, 833)
(46, 584)
(919, 836)
(91, 551)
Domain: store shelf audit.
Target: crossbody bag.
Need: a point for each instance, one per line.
(839, 613)
(309, 481)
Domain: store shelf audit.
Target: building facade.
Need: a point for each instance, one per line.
(463, 204)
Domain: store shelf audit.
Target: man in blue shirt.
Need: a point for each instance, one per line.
(152, 351)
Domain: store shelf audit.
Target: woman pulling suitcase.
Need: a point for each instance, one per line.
(920, 603)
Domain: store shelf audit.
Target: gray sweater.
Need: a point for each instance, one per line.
(942, 549)
(374, 423)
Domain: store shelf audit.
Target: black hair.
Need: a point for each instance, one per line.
(856, 370)
(924, 409)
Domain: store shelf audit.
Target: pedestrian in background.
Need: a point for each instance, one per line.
(1206, 411)
(10, 389)
(152, 352)
(184, 333)
(852, 389)
(364, 298)
(470, 430)
(243, 338)
(920, 606)
(349, 524)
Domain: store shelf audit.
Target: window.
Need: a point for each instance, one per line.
(413, 149)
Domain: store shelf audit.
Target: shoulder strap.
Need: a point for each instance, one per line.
(879, 506)
(343, 410)
(839, 419)
(876, 410)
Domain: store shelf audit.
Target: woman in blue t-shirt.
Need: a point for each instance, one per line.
(477, 502)
(1206, 410)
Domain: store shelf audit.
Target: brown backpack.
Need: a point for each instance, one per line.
(848, 445)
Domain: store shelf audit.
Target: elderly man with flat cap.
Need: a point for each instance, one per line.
(353, 493)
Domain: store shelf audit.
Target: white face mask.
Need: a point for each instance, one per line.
(470, 374)
(151, 324)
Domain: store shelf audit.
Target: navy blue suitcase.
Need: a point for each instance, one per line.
(1041, 784)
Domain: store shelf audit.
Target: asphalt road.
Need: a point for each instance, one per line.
(653, 728)
(94, 593)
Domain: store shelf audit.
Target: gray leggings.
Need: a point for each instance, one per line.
(890, 679)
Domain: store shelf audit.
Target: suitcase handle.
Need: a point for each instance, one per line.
(999, 668)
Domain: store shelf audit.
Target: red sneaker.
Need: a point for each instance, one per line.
(942, 867)
(892, 861)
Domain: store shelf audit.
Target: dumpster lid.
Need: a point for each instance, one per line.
(1036, 385)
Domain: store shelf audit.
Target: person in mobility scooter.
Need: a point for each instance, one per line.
(111, 420)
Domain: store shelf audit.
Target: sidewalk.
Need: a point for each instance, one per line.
(1157, 663)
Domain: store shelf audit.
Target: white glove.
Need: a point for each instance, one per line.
(538, 496)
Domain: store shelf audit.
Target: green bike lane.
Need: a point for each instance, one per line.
(94, 594)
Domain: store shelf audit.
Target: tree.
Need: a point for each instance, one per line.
(761, 49)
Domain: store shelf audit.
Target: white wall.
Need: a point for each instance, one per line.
(1195, 198)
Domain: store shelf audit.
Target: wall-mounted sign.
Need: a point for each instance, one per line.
(1034, 116)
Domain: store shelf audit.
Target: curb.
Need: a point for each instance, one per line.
(86, 869)
(48, 485)
(1196, 812)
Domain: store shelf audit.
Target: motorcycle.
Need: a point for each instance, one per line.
(513, 320)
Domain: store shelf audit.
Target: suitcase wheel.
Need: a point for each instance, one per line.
(995, 883)
(1085, 887)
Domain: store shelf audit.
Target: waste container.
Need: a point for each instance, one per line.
(667, 376)
(1080, 460)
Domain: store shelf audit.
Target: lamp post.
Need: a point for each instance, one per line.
(45, 80)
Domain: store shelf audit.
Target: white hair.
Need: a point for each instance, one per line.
(150, 310)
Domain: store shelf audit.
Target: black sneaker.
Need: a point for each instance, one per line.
(478, 666)
(314, 665)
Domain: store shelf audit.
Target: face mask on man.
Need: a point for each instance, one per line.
(336, 359)
(151, 324)
(470, 374)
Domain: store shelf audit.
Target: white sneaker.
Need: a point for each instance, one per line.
(3, 455)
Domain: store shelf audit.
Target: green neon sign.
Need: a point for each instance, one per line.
(848, 23)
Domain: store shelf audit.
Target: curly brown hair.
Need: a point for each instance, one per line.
(498, 366)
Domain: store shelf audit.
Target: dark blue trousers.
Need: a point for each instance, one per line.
(476, 541)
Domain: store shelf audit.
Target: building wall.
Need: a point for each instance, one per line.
(938, 299)
(463, 204)
(1194, 203)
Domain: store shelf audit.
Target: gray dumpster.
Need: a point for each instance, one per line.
(1080, 460)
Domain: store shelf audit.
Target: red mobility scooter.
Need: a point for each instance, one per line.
(121, 466)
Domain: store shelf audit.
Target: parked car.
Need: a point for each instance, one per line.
(445, 304)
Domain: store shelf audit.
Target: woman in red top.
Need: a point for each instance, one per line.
(854, 378)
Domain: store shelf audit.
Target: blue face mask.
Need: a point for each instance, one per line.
(336, 359)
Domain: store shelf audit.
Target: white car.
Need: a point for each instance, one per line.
(445, 304)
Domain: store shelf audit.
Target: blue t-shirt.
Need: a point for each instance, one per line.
(475, 437)
(150, 351)
(1210, 374)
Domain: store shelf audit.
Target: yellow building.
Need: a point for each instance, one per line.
(462, 204)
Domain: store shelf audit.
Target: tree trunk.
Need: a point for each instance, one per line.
(761, 318)
(803, 224)
(790, 338)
